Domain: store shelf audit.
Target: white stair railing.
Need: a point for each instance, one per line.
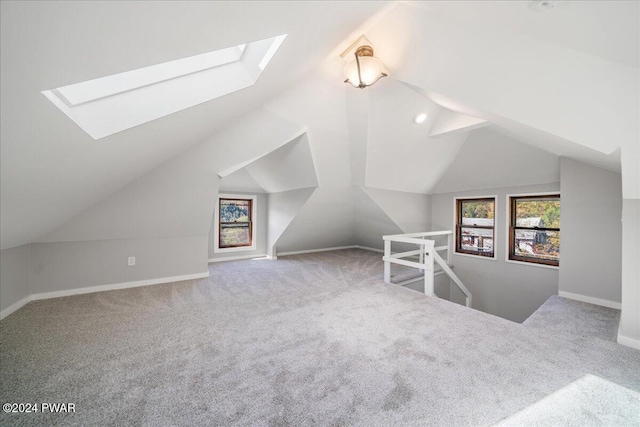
(427, 256)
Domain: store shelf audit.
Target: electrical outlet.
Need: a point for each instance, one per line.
(132, 260)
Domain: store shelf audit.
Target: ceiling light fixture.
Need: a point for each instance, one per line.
(419, 118)
(365, 69)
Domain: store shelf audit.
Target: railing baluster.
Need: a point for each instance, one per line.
(387, 263)
(429, 278)
(427, 257)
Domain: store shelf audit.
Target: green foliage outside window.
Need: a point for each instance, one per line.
(540, 239)
(235, 210)
(479, 209)
(235, 223)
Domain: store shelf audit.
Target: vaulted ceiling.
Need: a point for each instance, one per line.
(555, 81)
(51, 169)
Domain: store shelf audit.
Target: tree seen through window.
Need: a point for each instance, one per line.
(235, 223)
(534, 232)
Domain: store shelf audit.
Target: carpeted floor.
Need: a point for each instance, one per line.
(316, 339)
(588, 401)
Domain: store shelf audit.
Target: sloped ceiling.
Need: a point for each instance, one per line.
(406, 210)
(51, 170)
(437, 55)
(240, 180)
(289, 167)
(571, 98)
(487, 157)
(283, 207)
(578, 25)
(395, 143)
(177, 197)
(371, 221)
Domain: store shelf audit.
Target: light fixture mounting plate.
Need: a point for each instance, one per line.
(362, 41)
(364, 51)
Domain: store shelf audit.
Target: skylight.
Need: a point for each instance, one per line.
(111, 104)
(271, 51)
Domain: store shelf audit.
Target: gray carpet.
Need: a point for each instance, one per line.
(587, 401)
(315, 339)
(575, 320)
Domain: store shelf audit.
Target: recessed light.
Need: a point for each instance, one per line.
(542, 5)
(419, 118)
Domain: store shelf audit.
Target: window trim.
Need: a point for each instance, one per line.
(254, 223)
(530, 262)
(495, 225)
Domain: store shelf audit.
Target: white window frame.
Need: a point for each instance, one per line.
(508, 225)
(254, 223)
(495, 227)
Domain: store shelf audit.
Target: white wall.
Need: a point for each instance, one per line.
(65, 266)
(371, 222)
(177, 197)
(163, 217)
(591, 236)
(260, 232)
(325, 221)
(509, 290)
(282, 208)
(411, 212)
(629, 330)
(488, 156)
(15, 270)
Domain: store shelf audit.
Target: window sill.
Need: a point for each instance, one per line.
(238, 249)
(488, 258)
(532, 264)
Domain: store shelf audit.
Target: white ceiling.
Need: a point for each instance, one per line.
(535, 137)
(488, 156)
(241, 181)
(604, 28)
(51, 170)
(289, 167)
(400, 154)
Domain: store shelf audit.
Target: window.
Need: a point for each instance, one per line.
(475, 221)
(235, 225)
(111, 104)
(534, 229)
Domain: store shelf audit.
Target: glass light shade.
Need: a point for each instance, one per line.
(371, 70)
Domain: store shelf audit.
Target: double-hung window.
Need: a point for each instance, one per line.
(475, 226)
(235, 222)
(534, 229)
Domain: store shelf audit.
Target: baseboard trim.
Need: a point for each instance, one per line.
(310, 251)
(367, 248)
(591, 300)
(14, 307)
(337, 248)
(629, 342)
(236, 258)
(116, 286)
